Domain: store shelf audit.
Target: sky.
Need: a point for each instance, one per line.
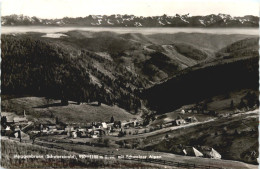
(82, 8)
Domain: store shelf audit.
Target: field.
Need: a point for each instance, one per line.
(43, 110)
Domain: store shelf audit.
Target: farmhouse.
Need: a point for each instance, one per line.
(214, 154)
(51, 128)
(191, 119)
(179, 122)
(20, 120)
(191, 151)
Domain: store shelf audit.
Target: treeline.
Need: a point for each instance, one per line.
(198, 84)
(36, 67)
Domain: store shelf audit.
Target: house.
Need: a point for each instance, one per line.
(210, 152)
(214, 154)
(82, 129)
(94, 134)
(191, 119)
(74, 134)
(81, 132)
(110, 125)
(131, 123)
(213, 113)
(8, 128)
(99, 125)
(168, 124)
(191, 151)
(16, 128)
(179, 122)
(104, 125)
(102, 132)
(88, 125)
(18, 119)
(51, 128)
(117, 124)
(197, 153)
(69, 128)
(8, 116)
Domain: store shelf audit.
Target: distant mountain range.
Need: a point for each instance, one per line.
(220, 20)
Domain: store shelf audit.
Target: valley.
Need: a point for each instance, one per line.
(161, 94)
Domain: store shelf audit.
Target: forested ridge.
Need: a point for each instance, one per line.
(37, 67)
(115, 68)
(196, 84)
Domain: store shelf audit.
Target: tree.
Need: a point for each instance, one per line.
(64, 101)
(3, 120)
(232, 104)
(106, 142)
(121, 133)
(102, 90)
(167, 136)
(99, 101)
(57, 120)
(242, 104)
(112, 119)
(64, 98)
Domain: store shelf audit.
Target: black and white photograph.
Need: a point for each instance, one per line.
(142, 84)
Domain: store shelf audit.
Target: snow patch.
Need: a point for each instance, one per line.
(160, 22)
(99, 21)
(110, 23)
(202, 22)
(184, 20)
(168, 22)
(138, 24)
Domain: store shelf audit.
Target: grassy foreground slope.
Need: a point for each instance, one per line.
(10, 148)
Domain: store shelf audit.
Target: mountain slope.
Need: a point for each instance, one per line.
(38, 67)
(242, 48)
(92, 66)
(203, 81)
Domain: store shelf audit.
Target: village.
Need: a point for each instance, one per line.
(13, 126)
(112, 133)
(20, 128)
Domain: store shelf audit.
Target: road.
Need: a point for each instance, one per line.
(164, 130)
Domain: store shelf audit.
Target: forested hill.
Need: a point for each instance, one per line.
(45, 68)
(100, 66)
(235, 68)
